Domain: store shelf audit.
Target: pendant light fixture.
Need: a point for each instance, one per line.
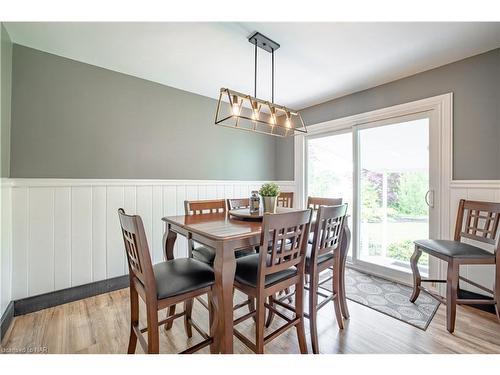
(246, 112)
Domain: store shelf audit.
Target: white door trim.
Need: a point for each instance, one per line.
(441, 107)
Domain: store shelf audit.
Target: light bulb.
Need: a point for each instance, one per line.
(255, 111)
(255, 114)
(236, 107)
(288, 122)
(273, 115)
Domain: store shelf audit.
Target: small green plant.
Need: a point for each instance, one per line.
(269, 190)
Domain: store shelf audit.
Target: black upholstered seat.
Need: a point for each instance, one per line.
(247, 271)
(322, 258)
(206, 254)
(180, 276)
(453, 249)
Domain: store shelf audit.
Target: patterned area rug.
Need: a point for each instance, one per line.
(390, 298)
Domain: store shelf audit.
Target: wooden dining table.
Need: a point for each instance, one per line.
(225, 234)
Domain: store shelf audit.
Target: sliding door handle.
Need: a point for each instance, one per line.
(429, 202)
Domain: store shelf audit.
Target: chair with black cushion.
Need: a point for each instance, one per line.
(315, 203)
(198, 251)
(262, 275)
(477, 221)
(161, 286)
(327, 252)
(201, 252)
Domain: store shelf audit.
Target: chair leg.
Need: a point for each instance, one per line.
(134, 319)
(270, 313)
(417, 280)
(336, 291)
(344, 250)
(188, 308)
(342, 296)
(497, 289)
(259, 325)
(451, 295)
(299, 312)
(153, 334)
(213, 324)
(313, 312)
(171, 311)
(251, 306)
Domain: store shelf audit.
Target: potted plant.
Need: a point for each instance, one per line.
(269, 193)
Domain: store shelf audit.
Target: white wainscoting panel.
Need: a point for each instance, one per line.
(63, 224)
(6, 245)
(81, 235)
(20, 204)
(115, 256)
(99, 230)
(41, 240)
(66, 233)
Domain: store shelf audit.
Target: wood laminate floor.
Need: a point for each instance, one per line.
(101, 325)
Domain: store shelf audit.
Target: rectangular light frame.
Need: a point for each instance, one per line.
(285, 131)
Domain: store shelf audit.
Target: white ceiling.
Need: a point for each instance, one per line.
(316, 61)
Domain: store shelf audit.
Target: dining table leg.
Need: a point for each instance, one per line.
(169, 238)
(224, 269)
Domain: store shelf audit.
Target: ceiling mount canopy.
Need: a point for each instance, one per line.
(247, 112)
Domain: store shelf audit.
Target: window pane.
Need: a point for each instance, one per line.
(329, 168)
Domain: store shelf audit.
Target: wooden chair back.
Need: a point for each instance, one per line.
(285, 199)
(283, 242)
(316, 202)
(478, 221)
(233, 204)
(204, 207)
(137, 251)
(328, 231)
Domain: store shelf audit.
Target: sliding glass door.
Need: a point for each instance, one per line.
(384, 171)
(393, 182)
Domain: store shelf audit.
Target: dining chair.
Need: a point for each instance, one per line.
(314, 203)
(245, 203)
(285, 199)
(477, 221)
(233, 204)
(325, 253)
(198, 251)
(161, 286)
(261, 275)
(204, 253)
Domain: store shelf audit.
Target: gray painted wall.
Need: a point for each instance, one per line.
(284, 164)
(475, 83)
(6, 88)
(74, 120)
